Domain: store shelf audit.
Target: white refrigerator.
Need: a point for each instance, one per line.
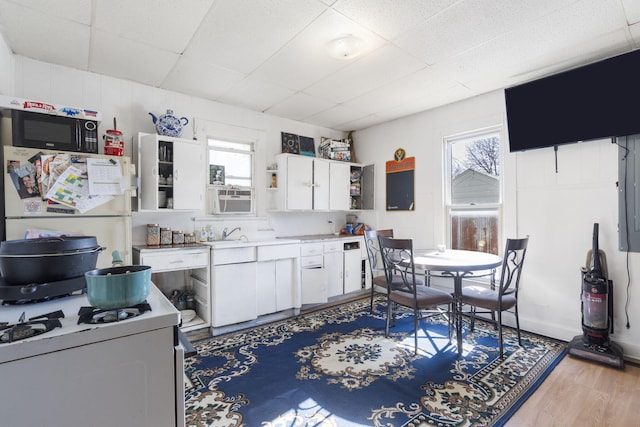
(54, 192)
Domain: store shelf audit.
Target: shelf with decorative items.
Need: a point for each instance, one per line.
(272, 178)
(361, 187)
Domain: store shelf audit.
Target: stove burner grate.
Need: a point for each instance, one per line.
(34, 326)
(93, 315)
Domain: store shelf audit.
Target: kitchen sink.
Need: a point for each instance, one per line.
(229, 243)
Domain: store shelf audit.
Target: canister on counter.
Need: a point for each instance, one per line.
(153, 234)
(189, 238)
(166, 237)
(178, 237)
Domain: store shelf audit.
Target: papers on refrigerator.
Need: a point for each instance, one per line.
(105, 177)
(72, 189)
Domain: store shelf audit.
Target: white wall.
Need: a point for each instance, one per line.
(557, 211)
(6, 68)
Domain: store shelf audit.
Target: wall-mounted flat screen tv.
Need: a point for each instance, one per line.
(598, 100)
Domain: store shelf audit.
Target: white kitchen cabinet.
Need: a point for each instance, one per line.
(181, 268)
(330, 268)
(343, 260)
(313, 275)
(362, 186)
(333, 262)
(308, 183)
(233, 285)
(170, 169)
(277, 285)
(352, 266)
(339, 184)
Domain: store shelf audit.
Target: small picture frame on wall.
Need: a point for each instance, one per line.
(307, 146)
(290, 143)
(216, 174)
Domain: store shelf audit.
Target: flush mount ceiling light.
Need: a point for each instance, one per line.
(346, 46)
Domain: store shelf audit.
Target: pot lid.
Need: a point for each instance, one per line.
(47, 245)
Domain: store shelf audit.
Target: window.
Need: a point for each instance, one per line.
(230, 163)
(473, 190)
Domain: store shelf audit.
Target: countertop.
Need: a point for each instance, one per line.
(223, 244)
(320, 237)
(170, 247)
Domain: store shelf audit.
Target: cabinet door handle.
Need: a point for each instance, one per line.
(180, 261)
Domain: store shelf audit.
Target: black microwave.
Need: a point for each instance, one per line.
(53, 132)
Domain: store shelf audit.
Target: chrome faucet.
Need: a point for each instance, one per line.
(226, 234)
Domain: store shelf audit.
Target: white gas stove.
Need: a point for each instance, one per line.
(124, 364)
(70, 334)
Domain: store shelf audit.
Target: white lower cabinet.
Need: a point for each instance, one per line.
(352, 273)
(335, 267)
(278, 278)
(331, 268)
(180, 268)
(251, 281)
(313, 274)
(233, 285)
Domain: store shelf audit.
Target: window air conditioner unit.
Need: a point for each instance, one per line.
(233, 201)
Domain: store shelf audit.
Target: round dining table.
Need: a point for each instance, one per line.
(457, 264)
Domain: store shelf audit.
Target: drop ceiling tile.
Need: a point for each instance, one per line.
(242, 34)
(362, 123)
(389, 18)
(305, 60)
(334, 117)
(424, 83)
(502, 62)
(45, 37)
(197, 78)
(468, 24)
(78, 11)
(168, 25)
(299, 106)
(255, 94)
(632, 10)
(126, 59)
(453, 93)
(380, 67)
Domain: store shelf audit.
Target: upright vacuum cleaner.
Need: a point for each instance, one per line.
(597, 312)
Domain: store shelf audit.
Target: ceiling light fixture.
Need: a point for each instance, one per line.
(346, 46)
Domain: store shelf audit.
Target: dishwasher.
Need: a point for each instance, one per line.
(313, 274)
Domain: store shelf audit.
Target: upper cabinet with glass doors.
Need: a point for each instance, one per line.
(171, 172)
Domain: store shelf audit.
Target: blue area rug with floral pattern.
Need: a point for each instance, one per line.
(334, 367)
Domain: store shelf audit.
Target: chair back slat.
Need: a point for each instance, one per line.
(373, 248)
(397, 256)
(512, 264)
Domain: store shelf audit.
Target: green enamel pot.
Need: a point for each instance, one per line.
(118, 287)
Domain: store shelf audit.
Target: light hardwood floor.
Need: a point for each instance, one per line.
(585, 394)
